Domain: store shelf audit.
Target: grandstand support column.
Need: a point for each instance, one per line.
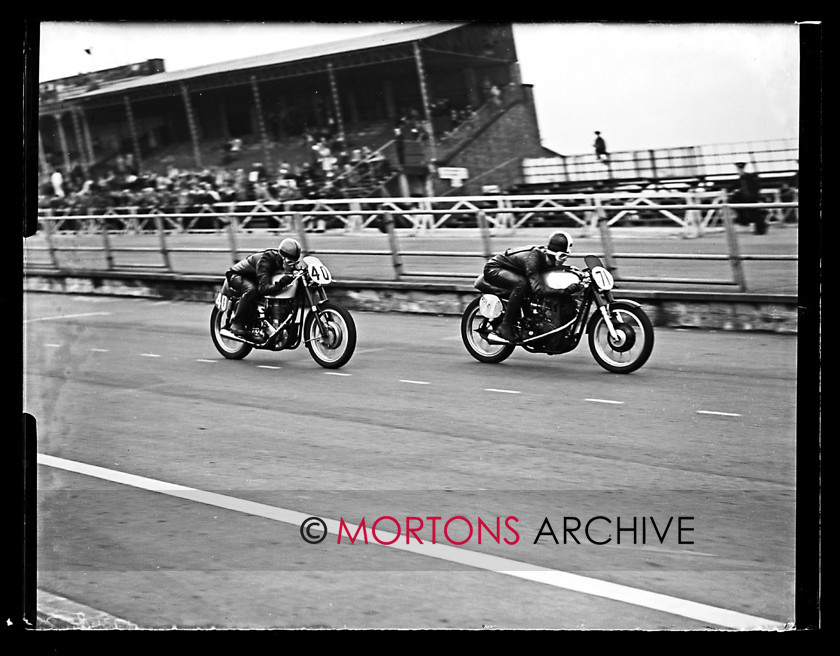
(255, 89)
(339, 119)
(42, 156)
(185, 94)
(390, 103)
(132, 129)
(424, 93)
(223, 121)
(472, 86)
(74, 115)
(91, 156)
(62, 138)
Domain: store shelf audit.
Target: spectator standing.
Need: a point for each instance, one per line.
(57, 180)
(601, 148)
(496, 94)
(748, 191)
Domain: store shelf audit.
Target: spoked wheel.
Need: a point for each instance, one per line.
(334, 347)
(471, 323)
(230, 348)
(632, 345)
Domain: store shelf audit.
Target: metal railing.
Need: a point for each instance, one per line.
(397, 218)
(707, 162)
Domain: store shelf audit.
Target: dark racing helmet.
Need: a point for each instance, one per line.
(290, 249)
(560, 244)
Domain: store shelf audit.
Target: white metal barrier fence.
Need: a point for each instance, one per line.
(489, 216)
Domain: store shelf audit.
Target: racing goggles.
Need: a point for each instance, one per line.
(559, 256)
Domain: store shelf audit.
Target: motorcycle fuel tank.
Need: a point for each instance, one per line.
(286, 292)
(560, 279)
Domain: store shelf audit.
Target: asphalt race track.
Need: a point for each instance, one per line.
(544, 492)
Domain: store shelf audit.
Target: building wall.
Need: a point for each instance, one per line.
(498, 150)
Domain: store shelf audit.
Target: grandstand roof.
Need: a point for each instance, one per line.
(415, 32)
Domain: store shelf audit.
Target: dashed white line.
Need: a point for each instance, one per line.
(267, 366)
(415, 382)
(722, 414)
(203, 360)
(605, 401)
(502, 391)
(99, 350)
(150, 355)
(53, 345)
(336, 373)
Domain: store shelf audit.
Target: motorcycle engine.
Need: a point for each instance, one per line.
(546, 315)
(277, 309)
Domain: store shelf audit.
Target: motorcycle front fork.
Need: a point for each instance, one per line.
(603, 308)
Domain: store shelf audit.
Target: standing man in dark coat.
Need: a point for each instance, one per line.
(748, 191)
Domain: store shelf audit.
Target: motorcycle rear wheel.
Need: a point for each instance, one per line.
(476, 345)
(334, 349)
(634, 344)
(230, 348)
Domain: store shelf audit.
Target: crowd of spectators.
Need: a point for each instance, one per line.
(180, 190)
(333, 169)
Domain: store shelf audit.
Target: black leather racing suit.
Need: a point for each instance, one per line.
(252, 276)
(517, 269)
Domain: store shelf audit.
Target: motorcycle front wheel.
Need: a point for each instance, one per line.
(476, 345)
(634, 342)
(333, 348)
(230, 348)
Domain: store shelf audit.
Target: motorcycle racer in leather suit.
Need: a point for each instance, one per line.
(252, 278)
(519, 270)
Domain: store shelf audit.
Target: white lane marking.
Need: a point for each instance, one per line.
(203, 360)
(369, 350)
(518, 569)
(451, 338)
(267, 366)
(722, 414)
(605, 401)
(53, 345)
(503, 391)
(336, 373)
(150, 355)
(99, 350)
(67, 316)
(415, 382)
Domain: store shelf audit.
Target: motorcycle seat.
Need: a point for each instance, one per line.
(486, 288)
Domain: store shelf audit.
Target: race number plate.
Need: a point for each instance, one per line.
(221, 302)
(490, 306)
(602, 278)
(317, 270)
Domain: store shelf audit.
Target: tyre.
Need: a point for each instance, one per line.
(230, 348)
(472, 322)
(335, 348)
(634, 344)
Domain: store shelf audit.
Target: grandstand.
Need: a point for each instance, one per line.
(439, 107)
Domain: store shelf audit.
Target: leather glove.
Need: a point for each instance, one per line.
(281, 284)
(574, 288)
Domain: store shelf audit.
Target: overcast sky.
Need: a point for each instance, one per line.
(642, 85)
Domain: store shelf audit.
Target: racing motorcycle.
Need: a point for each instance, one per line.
(620, 333)
(300, 312)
